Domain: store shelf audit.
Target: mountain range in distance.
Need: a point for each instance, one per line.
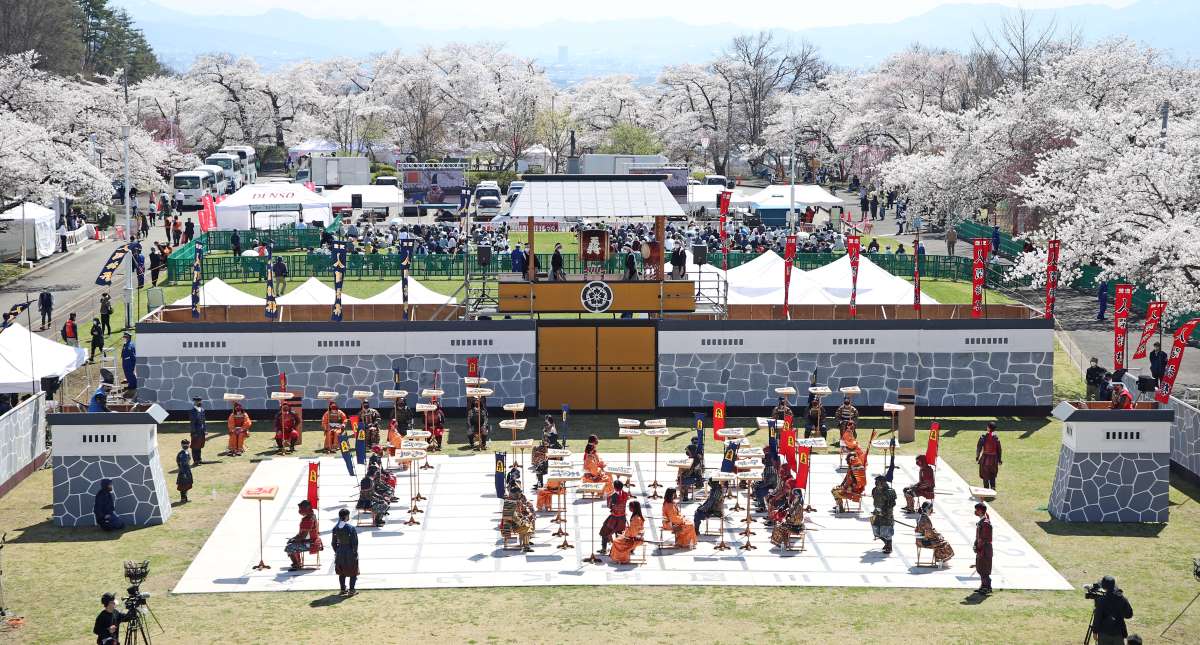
(574, 51)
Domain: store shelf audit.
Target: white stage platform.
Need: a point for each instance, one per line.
(457, 544)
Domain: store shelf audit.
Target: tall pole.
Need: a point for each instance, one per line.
(792, 179)
(128, 236)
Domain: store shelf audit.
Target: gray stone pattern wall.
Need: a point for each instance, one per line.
(1110, 487)
(22, 436)
(172, 382)
(138, 482)
(941, 379)
(1185, 437)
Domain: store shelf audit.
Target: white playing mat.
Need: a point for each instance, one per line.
(457, 544)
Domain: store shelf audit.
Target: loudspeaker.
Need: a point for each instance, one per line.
(484, 253)
(355, 200)
(1146, 384)
(700, 254)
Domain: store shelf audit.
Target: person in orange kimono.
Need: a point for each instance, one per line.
(673, 521)
(855, 483)
(625, 543)
(849, 437)
(239, 428)
(307, 538)
(593, 469)
(331, 423)
(545, 495)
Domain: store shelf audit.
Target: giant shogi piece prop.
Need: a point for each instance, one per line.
(481, 393)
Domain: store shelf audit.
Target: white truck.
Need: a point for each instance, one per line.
(597, 164)
(332, 172)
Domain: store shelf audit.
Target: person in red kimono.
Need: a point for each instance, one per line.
(923, 487)
(614, 524)
(307, 538)
(287, 428)
(989, 456)
(1121, 398)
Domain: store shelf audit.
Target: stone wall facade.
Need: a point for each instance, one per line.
(22, 440)
(138, 482)
(1110, 487)
(1185, 438)
(173, 381)
(1007, 379)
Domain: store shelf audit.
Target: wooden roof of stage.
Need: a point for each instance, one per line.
(595, 197)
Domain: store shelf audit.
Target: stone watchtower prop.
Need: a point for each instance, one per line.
(1114, 465)
(121, 446)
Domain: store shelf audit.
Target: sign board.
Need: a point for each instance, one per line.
(433, 183)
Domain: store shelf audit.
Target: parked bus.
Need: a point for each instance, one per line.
(235, 171)
(249, 160)
(220, 184)
(189, 187)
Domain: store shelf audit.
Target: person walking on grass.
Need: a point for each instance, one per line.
(97, 334)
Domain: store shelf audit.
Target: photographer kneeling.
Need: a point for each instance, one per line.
(106, 630)
(1108, 617)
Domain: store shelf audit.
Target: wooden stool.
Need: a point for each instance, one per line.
(369, 520)
(505, 537)
(932, 560)
(304, 566)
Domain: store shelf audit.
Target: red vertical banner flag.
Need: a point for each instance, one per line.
(931, 449)
(978, 275)
(724, 223)
(1163, 393)
(1051, 276)
(718, 418)
(207, 214)
(789, 256)
(803, 457)
(314, 477)
(1154, 313)
(916, 258)
(473, 367)
(1121, 306)
(723, 199)
(854, 250)
(790, 447)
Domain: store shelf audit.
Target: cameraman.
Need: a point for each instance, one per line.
(106, 629)
(1111, 611)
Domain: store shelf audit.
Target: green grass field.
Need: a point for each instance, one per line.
(54, 575)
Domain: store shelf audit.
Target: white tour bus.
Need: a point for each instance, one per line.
(219, 183)
(190, 187)
(235, 172)
(246, 153)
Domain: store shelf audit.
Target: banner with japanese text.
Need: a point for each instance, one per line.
(1165, 384)
(105, 278)
(931, 448)
(854, 250)
(314, 477)
(803, 460)
(724, 223)
(339, 278)
(718, 415)
(789, 257)
(272, 308)
(197, 278)
(979, 254)
(1154, 313)
(1121, 306)
(1051, 276)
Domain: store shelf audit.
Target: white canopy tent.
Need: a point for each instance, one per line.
(269, 206)
(377, 197)
(778, 196)
(580, 197)
(418, 294)
(315, 292)
(26, 358)
(39, 229)
(218, 292)
(876, 286)
(706, 196)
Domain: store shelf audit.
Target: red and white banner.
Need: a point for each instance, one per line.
(978, 275)
(207, 214)
(311, 186)
(724, 244)
(314, 477)
(1154, 312)
(789, 256)
(1121, 306)
(854, 250)
(1051, 276)
(723, 199)
(1167, 382)
(931, 448)
(718, 415)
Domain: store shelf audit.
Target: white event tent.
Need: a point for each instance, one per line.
(876, 286)
(40, 225)
(269, 206)
(418, 294)
(315, 292)
(218, 292)
(376, 197)
(706, 196)
(26, 358)
(779, 196)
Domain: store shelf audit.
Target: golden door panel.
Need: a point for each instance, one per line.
(567, 367)
(626, 378)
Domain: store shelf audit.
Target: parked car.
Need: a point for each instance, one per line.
(487, 208)
(514, 190)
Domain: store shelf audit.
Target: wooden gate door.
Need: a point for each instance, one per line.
(566, 367)
(626, 368)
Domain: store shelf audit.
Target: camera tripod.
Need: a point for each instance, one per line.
(135, 627)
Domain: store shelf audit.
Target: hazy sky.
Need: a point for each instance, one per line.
(792, 14)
